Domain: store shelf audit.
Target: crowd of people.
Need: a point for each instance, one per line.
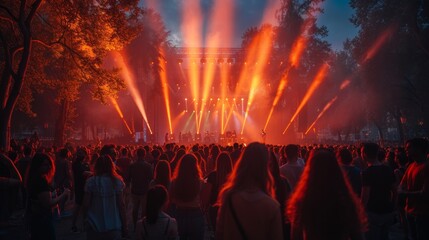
(254, 191)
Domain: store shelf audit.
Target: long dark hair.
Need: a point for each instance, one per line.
(250, 171)
(187, 179)
(157, 196)
(163, 173)
(223, 168)
(33, 171)
(323, 200)
(104, 166)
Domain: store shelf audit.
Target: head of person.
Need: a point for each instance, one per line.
(28, 150)
(105, 166)
(214, 150)
(223, 168)
(344, 156)
(187, 178)
(291, 151)
(369, 152)
(417, 149)
(64, 153)
(157, 197)
(124, 152)
(323, 198)
(250, 172)
(109, 149)
(163, 173)
(41, 166)
(141, 154)
(81, 154)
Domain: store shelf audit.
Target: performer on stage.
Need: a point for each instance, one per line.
(263, 135)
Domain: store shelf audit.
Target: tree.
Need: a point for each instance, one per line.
(395, 77)
(61, 45)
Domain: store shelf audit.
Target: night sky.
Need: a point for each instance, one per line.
(249, 13)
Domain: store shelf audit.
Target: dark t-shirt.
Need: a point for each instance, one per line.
(380, 180)
(140, 174)
(211, 178)
(79, 168)
(37, 186)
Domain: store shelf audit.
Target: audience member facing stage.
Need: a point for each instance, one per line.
(185, 191)
(378, 192)
(103, 202)
(248, 209)
(156, 224)
(415, 187)
(39, 178)
(215, 181)
(323, 205)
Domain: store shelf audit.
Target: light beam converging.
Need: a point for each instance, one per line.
(370, 53)
(164, 84)
(321, 113)
(191, 27)
(294, 57)
(126, 74)
(378, 43)
(314, 85)
(218, 33)
(121, 115)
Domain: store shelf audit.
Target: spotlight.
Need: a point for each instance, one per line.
(180, 61)
(203, 60)
(220, 60)
(230, 60)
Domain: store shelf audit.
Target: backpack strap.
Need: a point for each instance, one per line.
(234, 215)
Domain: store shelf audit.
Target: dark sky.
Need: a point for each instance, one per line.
(249, 13)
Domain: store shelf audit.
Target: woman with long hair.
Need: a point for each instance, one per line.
(185, 192)
(323, 205)
(157, 224)
(215, 181)
(103, 202)
(39, 179)
(162, 175)
(248, 209)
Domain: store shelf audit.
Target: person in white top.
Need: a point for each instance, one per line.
(292, 169)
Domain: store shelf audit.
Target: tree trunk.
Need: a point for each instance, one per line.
(60, 124)
(5, 118)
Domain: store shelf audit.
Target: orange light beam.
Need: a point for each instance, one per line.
(327, 106)
(121, 115)
(164, 85)
(126, 74)
(314, 85)
(177, 118)
(280, 89)
(294, 57)
(253, 87)
(218, 33)
(191, 28)
(343, 86)
(381, 39)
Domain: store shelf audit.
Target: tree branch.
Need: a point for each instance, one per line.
(9, 13)
(33, 11)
